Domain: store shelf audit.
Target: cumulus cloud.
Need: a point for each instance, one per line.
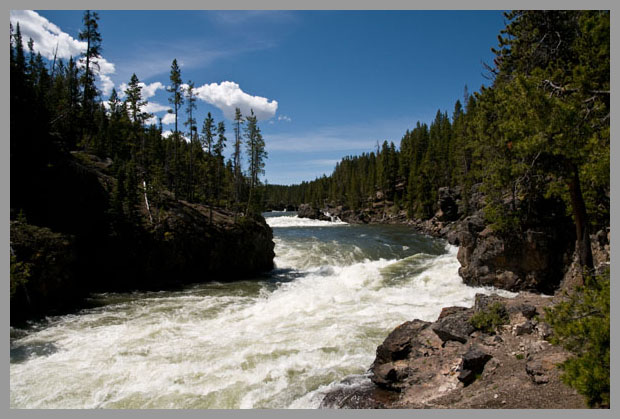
(168, 133)
(227, 96)
(106, 84)
(151, 121)
(168, 119)
(50, 40)
(148, 90)
(46, 36)
(154, 107)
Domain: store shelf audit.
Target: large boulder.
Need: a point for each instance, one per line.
(308, 211)
(534, 259)
(399, 342)
(390, 367)
(453, 324)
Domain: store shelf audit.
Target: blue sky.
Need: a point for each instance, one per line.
(325, 84)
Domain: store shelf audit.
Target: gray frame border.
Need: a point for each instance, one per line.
(302, 5)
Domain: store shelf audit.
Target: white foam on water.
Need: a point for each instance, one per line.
(277, 348)
(295, 221)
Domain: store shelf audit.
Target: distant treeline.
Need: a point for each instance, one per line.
(540, 131)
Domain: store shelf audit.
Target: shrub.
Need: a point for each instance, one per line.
(490, 318)
(581, 325)
(20, 272)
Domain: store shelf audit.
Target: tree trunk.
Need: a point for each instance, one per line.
(582, 246)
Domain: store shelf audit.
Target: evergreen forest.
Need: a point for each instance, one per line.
(539, 131)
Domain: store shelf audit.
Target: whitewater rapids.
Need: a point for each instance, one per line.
(275, 342)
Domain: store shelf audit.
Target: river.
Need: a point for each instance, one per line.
(278, 341)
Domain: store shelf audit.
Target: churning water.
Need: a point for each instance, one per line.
(278, 341)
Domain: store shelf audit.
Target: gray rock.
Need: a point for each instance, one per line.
(398, 344)
(472, 364)
(483, 301)
(454, 326)
(536, 372)
(544, 330)
(524, 328)
(528, 311)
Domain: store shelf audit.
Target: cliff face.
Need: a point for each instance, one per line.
(533, 259)
(70, 245)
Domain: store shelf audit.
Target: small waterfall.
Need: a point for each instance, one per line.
(332, 217)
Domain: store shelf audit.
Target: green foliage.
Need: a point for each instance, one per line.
(582, 325)
(519, 356)
(20, 272)
(539, 132)
(58, 111)
(490, 318)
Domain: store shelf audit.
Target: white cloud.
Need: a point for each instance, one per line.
(106, 84)
(168, 119)
(154, 107)
(151, 121)
(284, 118)
(46, 36)
(50, 40)
(227, 96)
(168, 133)
(148, 90)
(350, 139)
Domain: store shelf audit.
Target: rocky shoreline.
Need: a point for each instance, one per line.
(70, 246)
(451, 364)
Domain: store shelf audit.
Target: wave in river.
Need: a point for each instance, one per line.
(295, 221)
(275, 343)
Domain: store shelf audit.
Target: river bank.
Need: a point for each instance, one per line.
(274, 341)
(83, 236)
(447, 363)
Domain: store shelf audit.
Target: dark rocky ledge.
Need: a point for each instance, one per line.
(71, 246)
(514, 366)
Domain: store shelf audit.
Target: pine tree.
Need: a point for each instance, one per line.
(555, 107)
(176, 98)
(191, 124)
(135, 105)
(208, 134)
(90, 34)
(255, 147)
(237, 157)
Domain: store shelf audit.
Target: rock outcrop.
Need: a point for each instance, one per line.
(535, 259)
(512, 367)
(308, 211)
(73, 245)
